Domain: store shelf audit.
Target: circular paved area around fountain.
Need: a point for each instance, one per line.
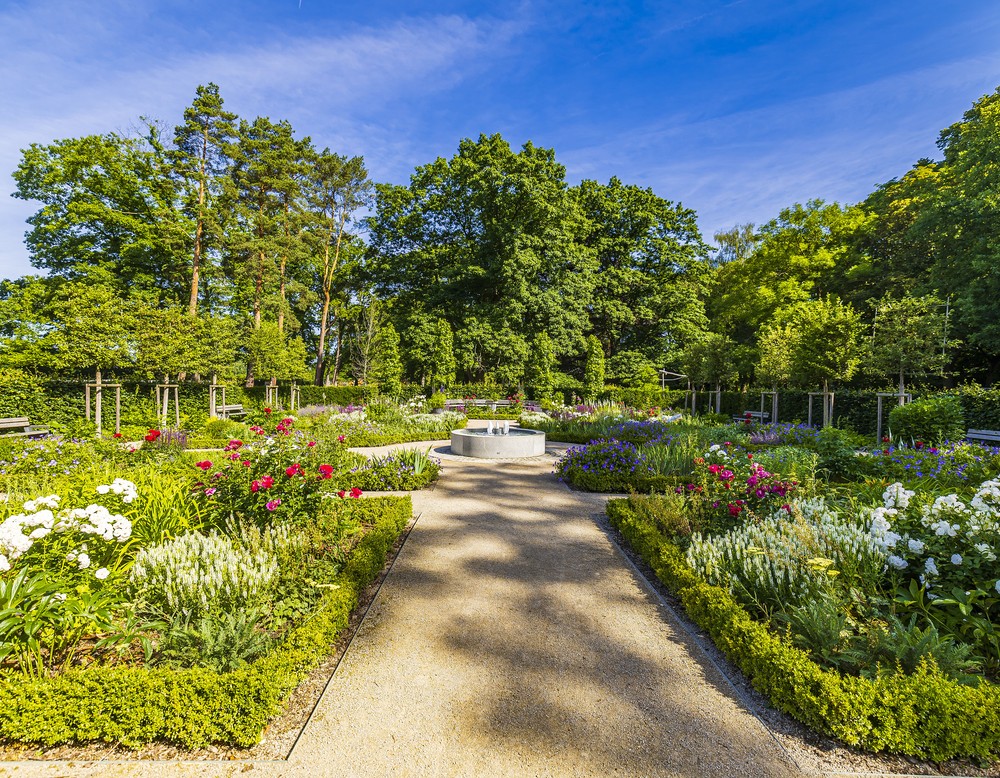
(511, 638)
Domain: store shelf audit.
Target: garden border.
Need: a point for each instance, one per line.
(198, 707)
(924, 714)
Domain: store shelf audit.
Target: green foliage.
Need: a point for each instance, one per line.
(593, 373)
(906, 645)
(924, 714)
(198, 707)
(934, 419)
(220, 641)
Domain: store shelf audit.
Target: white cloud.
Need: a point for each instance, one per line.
(77, 73)
(747, 165)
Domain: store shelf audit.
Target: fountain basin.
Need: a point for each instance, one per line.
(517, 443)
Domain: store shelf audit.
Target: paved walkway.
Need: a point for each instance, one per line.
(512, 639)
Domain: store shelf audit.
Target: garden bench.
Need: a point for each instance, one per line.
(476, 403)
(232, 412)
(987, 436)
(24, 428)
(760, 416)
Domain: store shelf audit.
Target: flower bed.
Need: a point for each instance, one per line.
(923, 713)
(148, 594)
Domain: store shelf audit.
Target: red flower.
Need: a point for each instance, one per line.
(267, 410)
(735, 509)
(151, 436)
(117, 435)
(287, 421)
(267, 482)
(233, 445)
(203, 465)
(326, 471)
(234, 456)
(311, 443)
(255, 486)
(885, 438)
(246, 463)
(356, 492)
(293, 470)
(341, 439)
(341, 494)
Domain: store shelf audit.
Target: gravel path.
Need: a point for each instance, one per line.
(512, 638)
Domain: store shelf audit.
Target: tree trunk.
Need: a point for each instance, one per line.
(323, 326)
(338, 354)
(258, 290)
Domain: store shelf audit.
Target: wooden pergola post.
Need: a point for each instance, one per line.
(163, 392)
(902, 397)
(774, 405)
(98, 395)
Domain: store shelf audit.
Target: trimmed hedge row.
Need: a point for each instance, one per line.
(198, 707)
(924, 714)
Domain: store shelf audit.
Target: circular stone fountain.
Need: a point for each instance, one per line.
(484, 444)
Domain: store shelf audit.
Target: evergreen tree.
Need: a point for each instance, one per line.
(593, 374)
(200, 161)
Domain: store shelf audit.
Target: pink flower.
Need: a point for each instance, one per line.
(326, 471)
(233, 445)
(203, 465)
(356, 492)
(234, 456)
(786, 508)
(311, 443)
(714, 468)
(246, 463)
(273, 504)
(287, 421)
(267, 482)
(341, 439)
(255, 486)
(210, 492)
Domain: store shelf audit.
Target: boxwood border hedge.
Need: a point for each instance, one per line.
(924, 714)
(194, 708)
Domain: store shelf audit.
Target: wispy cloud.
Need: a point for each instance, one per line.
(337, 88)
(747, 165)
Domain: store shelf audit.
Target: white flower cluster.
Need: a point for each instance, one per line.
(18, 533)
(946, 527)
(534, 417)
(126, 489)
(195, 573)
(716, 454)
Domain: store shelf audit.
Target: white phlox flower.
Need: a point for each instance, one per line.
(894, 561)
(930, 566)
(956, 559)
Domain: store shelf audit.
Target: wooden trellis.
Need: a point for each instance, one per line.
(163, 401)
(774, 405)
(902, 399)
(827, 400)
(98, 388)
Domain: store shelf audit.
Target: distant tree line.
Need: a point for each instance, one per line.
(229, 245)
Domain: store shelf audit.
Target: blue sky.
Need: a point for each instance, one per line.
(736, 109)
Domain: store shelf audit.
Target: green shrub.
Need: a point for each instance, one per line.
(935, 419)
(925, 714)
(197, 707)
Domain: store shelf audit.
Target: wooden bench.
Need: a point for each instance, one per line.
(987, 436)
(231, 411)
(753, 415)
(21, 427)
(450, 405)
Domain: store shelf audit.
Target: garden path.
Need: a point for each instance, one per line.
(512, 638)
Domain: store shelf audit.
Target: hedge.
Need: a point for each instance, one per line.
(924, 714)
(198, 707)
